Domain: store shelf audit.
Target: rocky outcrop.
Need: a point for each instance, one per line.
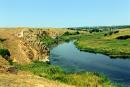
(25, 45)
(31, 45)
(5, 67)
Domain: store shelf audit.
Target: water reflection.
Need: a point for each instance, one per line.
(71, 59)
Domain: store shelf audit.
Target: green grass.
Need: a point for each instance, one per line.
(82, 79)
(68, 38)
(48, 41)
(108, 45)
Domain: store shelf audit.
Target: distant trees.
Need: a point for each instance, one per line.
(100, 27)
(111, 33)
(66, 33)
(116, 31)
(71, 33)
(95, 30)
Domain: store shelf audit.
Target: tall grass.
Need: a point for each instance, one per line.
(99, 43)
(82, 79)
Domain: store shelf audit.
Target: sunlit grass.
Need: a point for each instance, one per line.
(108, 45)
(83, 79)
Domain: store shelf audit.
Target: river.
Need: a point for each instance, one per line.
(71, 59)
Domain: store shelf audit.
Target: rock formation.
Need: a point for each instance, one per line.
(31, 45)
(25, 45)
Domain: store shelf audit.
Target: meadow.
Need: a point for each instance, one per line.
(106, 43)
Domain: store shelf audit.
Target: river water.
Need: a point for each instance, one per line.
(71, 59)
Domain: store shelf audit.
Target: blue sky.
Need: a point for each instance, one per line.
(64, 13)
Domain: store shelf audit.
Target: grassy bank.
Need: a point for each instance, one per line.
(83, 79)
(109, 45)
(66, 37)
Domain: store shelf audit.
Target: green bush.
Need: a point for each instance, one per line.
(110, 33)
(71, 33)
(67, 33)
(105, 34)
(1, 40)
(77, 32)
(48, 41)
(6, 54)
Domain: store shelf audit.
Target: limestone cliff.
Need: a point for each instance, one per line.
(25, 44)
(31, 45)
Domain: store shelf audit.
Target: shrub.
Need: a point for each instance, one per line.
(6, 54)
(123, 37)
(116, 32)
(105, 34)
(48, 41)
(66, 33)
(71, 33)
(110, 33)
(95, 30)
(77, 32)
(1, 40)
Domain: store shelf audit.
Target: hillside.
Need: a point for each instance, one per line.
(24, 44)
(107, 42)
(24, 79)
(28, 48)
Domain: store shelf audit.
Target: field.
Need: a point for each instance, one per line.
(98, 42)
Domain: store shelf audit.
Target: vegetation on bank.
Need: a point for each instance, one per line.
(82, 79)
(109, 44)
(6, 55)
(5, 52)
(48, 41)
(67, 36)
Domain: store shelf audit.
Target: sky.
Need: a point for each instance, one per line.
(64, 13)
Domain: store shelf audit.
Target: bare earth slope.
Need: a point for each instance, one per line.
(24, 79)
(24, 43)
(24, 46)
(11, 43)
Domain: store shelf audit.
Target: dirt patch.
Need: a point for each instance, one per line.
(24, 79)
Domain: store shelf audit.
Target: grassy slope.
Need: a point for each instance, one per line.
(84, 79)
(108, 45)
(25, 79)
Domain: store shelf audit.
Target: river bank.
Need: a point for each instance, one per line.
(52, 72)
(108, 45)
(45, 70)
(82, 79)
